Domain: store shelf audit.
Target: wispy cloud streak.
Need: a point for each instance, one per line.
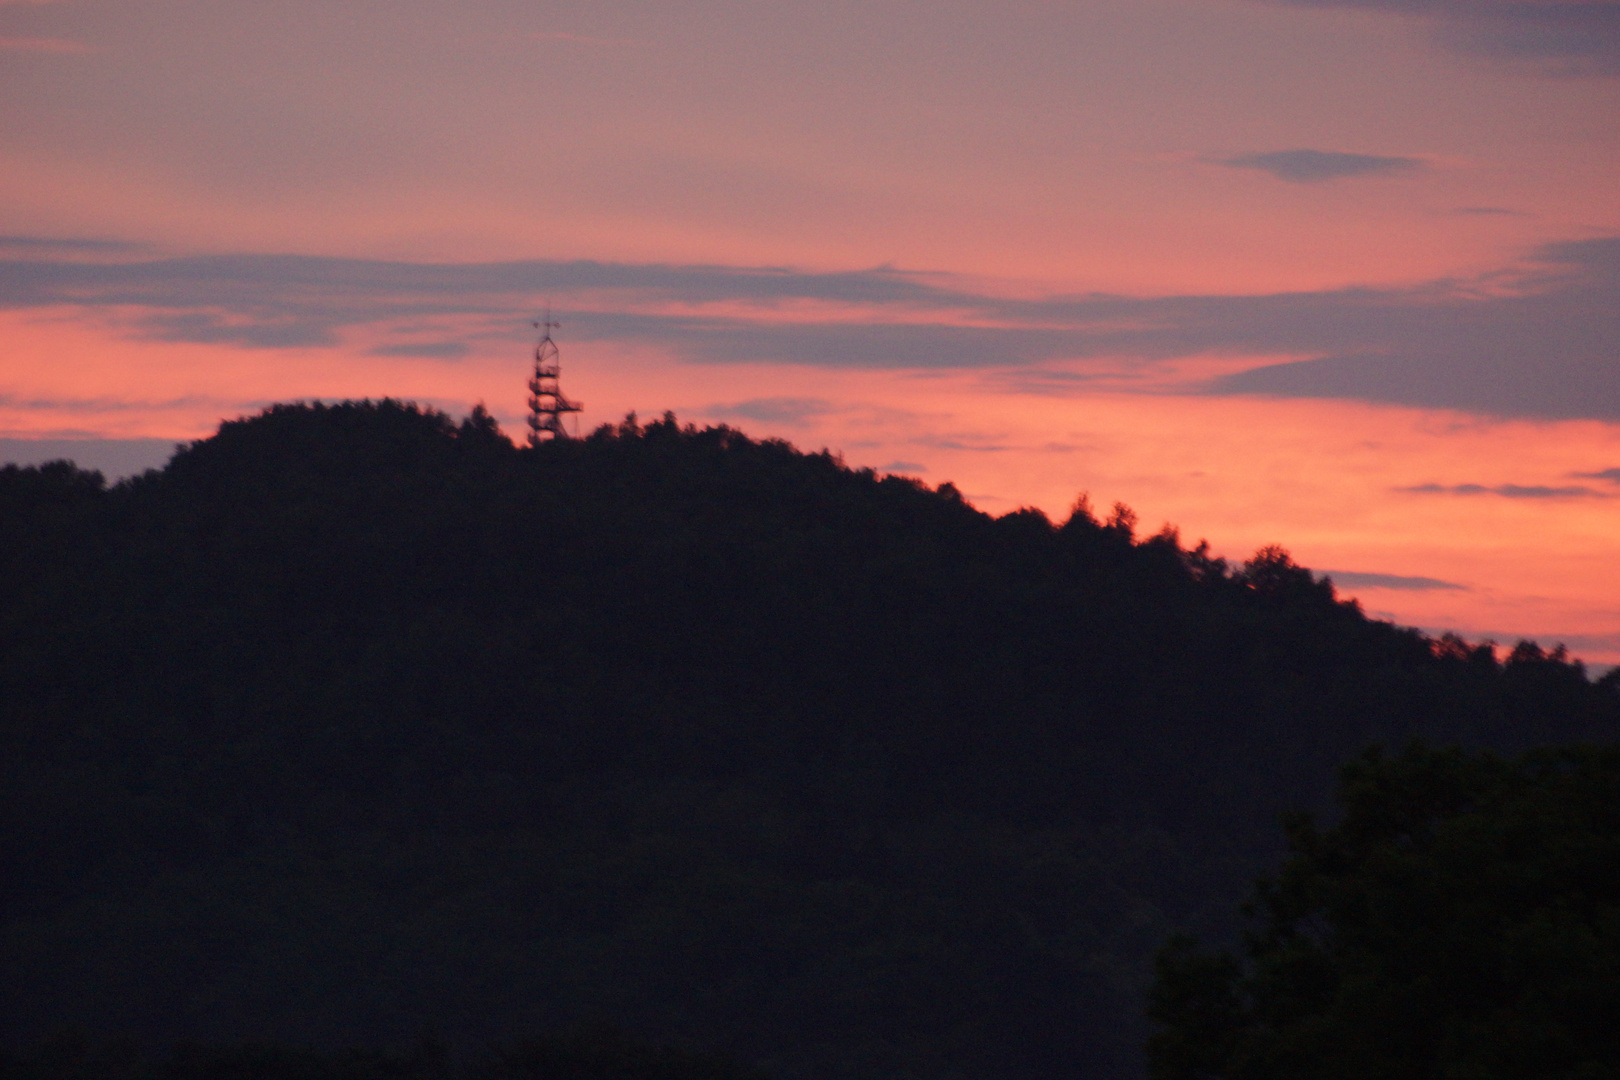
(1321, 166)
(1508, 491)
(37, 245)
(58, 46)
(1352, 579)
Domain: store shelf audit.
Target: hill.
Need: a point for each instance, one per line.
(355, 725)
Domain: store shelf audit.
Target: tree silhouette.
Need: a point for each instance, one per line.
(1462, 919)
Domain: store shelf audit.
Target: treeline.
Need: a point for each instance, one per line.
(355, 724)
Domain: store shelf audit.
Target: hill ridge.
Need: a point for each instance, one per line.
(356, 722)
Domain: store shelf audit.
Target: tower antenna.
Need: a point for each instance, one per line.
(546, 401)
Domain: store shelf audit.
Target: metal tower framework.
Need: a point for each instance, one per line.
(546, 401)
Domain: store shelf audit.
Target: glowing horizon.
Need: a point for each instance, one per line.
(1339, 276)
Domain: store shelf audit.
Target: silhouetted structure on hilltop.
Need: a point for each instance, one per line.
(546, 400)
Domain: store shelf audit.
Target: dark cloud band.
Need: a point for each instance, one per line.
(1572, 37)
(114, 458)
(1546, 348)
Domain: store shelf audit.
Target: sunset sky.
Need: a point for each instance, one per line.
(1342, 275)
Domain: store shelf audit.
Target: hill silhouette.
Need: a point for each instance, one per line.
(355, 725)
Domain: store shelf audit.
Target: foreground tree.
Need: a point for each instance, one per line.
(1462, 920)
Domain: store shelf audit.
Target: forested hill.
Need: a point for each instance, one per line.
(354, 725)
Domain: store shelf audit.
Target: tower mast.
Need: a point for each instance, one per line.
(546, 401)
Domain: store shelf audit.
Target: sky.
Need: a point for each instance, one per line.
(1341, 275)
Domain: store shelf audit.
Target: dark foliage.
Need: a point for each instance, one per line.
(605, 1054)
(354, 724)
(1462, 920)
(585, 1054)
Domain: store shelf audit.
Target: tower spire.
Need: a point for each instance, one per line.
(546, 401)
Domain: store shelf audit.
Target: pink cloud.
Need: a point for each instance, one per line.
(59, 46)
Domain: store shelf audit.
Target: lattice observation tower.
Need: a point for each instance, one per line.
(546, 401)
